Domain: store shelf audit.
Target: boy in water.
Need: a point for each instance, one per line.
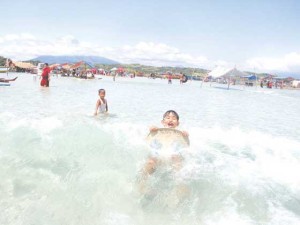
(101, 105)
(170, 120)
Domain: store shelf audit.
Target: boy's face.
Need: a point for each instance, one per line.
(102, 94)
(170, 121)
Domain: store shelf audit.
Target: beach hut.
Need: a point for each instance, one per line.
(226, 73)
(81, 69)
(24, 66)
(81, 65)
(65, 66)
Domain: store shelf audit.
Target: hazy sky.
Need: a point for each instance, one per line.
(259, 35)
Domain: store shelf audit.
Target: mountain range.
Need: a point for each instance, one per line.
(92, 60)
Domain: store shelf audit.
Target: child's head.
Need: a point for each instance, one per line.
(101, 93)
(170, 119)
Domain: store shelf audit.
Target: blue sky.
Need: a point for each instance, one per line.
(257, 35)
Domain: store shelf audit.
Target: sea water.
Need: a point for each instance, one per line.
(61, 165)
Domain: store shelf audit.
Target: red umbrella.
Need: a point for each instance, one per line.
(120, 70)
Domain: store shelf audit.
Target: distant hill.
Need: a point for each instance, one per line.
(288, 74)
(72, 59)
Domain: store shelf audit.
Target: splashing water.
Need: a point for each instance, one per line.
(61, 165)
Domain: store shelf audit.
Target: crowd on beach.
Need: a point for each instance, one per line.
(80, 70)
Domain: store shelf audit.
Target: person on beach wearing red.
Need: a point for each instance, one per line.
(169, 78)
(45, 76)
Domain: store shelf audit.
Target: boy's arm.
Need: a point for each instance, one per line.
(106, 106)
(97, 106)
(185, 133)
(153, 128)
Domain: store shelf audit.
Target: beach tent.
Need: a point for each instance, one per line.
(218, 72)
(113, 69)
(236, 73)
(81, 64)
(66, 66)
(227, 73)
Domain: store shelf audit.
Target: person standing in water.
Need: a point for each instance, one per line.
(46, 76)
(169, 78)
(101, 105)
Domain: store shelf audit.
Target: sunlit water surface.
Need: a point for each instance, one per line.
(61, 165)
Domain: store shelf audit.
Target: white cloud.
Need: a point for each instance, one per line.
(15, 37)
(288, 63)
(26, 46)
(158, 54)
(67, 40)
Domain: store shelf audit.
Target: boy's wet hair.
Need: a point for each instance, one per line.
(101, 90)
(171, 112)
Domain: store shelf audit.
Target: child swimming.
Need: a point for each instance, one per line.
(101, 105)
(170, 120)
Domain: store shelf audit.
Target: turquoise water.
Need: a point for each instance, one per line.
(61, 165)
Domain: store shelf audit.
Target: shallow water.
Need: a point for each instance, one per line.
(61, 165)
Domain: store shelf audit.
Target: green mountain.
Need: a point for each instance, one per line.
(92, 60)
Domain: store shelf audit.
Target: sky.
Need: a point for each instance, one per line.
(256, 35)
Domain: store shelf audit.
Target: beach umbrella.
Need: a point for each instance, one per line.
(114, 69)
(77, 65)
(120, 70)
(94, 70)
(66, 66)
